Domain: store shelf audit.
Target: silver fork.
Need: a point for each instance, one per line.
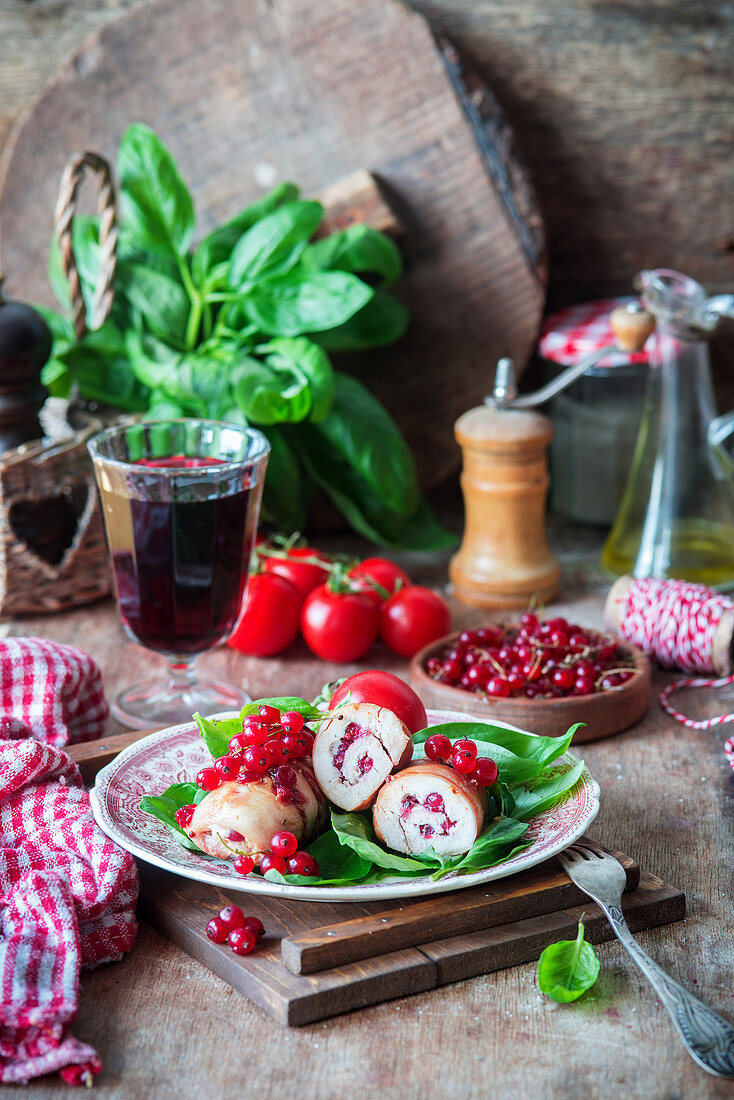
(707, 1037)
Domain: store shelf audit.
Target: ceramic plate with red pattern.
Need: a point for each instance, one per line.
(176, 754)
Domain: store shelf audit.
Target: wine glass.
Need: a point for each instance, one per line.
(180, 500)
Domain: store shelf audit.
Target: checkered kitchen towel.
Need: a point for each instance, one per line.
(67, 900)
(55, 689)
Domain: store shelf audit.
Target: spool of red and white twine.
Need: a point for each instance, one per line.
(682, 625)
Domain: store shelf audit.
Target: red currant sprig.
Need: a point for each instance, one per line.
(233, 927)
(268, 740)
(462, 757)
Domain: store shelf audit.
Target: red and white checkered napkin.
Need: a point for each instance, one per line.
(55, 689)
(67, 900)
(571, 334)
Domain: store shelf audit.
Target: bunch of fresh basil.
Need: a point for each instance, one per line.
(349, 851)
(239, 327)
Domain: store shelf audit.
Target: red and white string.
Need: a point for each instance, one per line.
(676, 622)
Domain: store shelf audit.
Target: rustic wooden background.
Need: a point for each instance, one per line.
(623, 110)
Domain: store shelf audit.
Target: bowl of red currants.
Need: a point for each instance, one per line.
(540, 674)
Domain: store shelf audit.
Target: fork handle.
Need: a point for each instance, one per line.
(708, 1038)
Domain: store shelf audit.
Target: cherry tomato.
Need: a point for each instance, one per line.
(338, 626)
(384, 690)
(270, 617)
(303, 575)
(412, 618)
(386, 573)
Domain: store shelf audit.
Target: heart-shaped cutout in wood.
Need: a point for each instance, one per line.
(47, 526)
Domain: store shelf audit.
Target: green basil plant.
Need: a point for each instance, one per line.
(239, 327)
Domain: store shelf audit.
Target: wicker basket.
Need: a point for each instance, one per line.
(52, 543)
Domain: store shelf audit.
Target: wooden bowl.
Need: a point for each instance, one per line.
(604, 712)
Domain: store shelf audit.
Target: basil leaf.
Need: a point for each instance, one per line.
(99, 364)
(218, 732)
(272, 245)
(301, 358)
(304, 301)
(361, 436)
(530, 801)
(355, 831)
(284, 496)
(283, 703)
(85, 244)
(567, 969)
(216, 248)
(339, 865)
(359, 248)
(382, 321)
(154, 201)
(493, 844)
(62, 327)
(269, 396)
(160, 299)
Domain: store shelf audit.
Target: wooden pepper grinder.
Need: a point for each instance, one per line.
(504, 560)
(25, 345)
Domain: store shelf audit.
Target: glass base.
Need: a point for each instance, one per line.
(167, 702)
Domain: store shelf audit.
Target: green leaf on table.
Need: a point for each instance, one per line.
(568, 968)
(355, 831)
(305, 301)
(216, 248)
(360, 249)
(156, 206)
(383, 320)
(548, 792)
(273, 244)
(159, 299)
(217, 732)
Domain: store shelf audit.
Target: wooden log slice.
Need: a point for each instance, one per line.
(250, 93)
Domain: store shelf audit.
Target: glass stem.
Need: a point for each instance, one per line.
(181, 677)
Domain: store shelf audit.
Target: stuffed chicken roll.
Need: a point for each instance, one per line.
(429, 806)
(240, 818)
(356, 750)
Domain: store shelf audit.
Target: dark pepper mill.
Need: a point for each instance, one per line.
(48, 525)
(25, 345)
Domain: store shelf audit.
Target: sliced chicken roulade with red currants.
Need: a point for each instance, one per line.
(429, 806)
(356, 750)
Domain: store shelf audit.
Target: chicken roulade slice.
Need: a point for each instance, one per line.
(429, 806)
(356, 750)
(240, 818)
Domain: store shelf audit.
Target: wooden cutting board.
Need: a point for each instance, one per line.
(252, 92)
(319, 959)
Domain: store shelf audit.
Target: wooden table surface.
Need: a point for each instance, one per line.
(166, 1027)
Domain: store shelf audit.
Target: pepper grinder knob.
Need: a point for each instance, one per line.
(504, 559)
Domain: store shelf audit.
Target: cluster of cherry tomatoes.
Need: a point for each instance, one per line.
(340, 608)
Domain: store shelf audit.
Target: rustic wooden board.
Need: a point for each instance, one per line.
(180, 910)
(248, 93)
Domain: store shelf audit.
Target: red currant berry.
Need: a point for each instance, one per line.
(184, 815)
(463, 761)
(295, 744)
(272, 862)
(438, 747)
(485, 772)
(529, 620)
(269, 715)
(249, 777)
(563, 678)
(231, 917)
(243, 865)
(208, 779)
(303, 864)
(464, 745)
(578, 640)
(255, 731)
(216, 930)
(499, 687)
(283, 844)
(242, 941)
(559, 638)
(256, 759)
(239, 743)
(228, 766)
(254, 925)
(277, 751)
(292, 721)
(516, 681)
(584, 685)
